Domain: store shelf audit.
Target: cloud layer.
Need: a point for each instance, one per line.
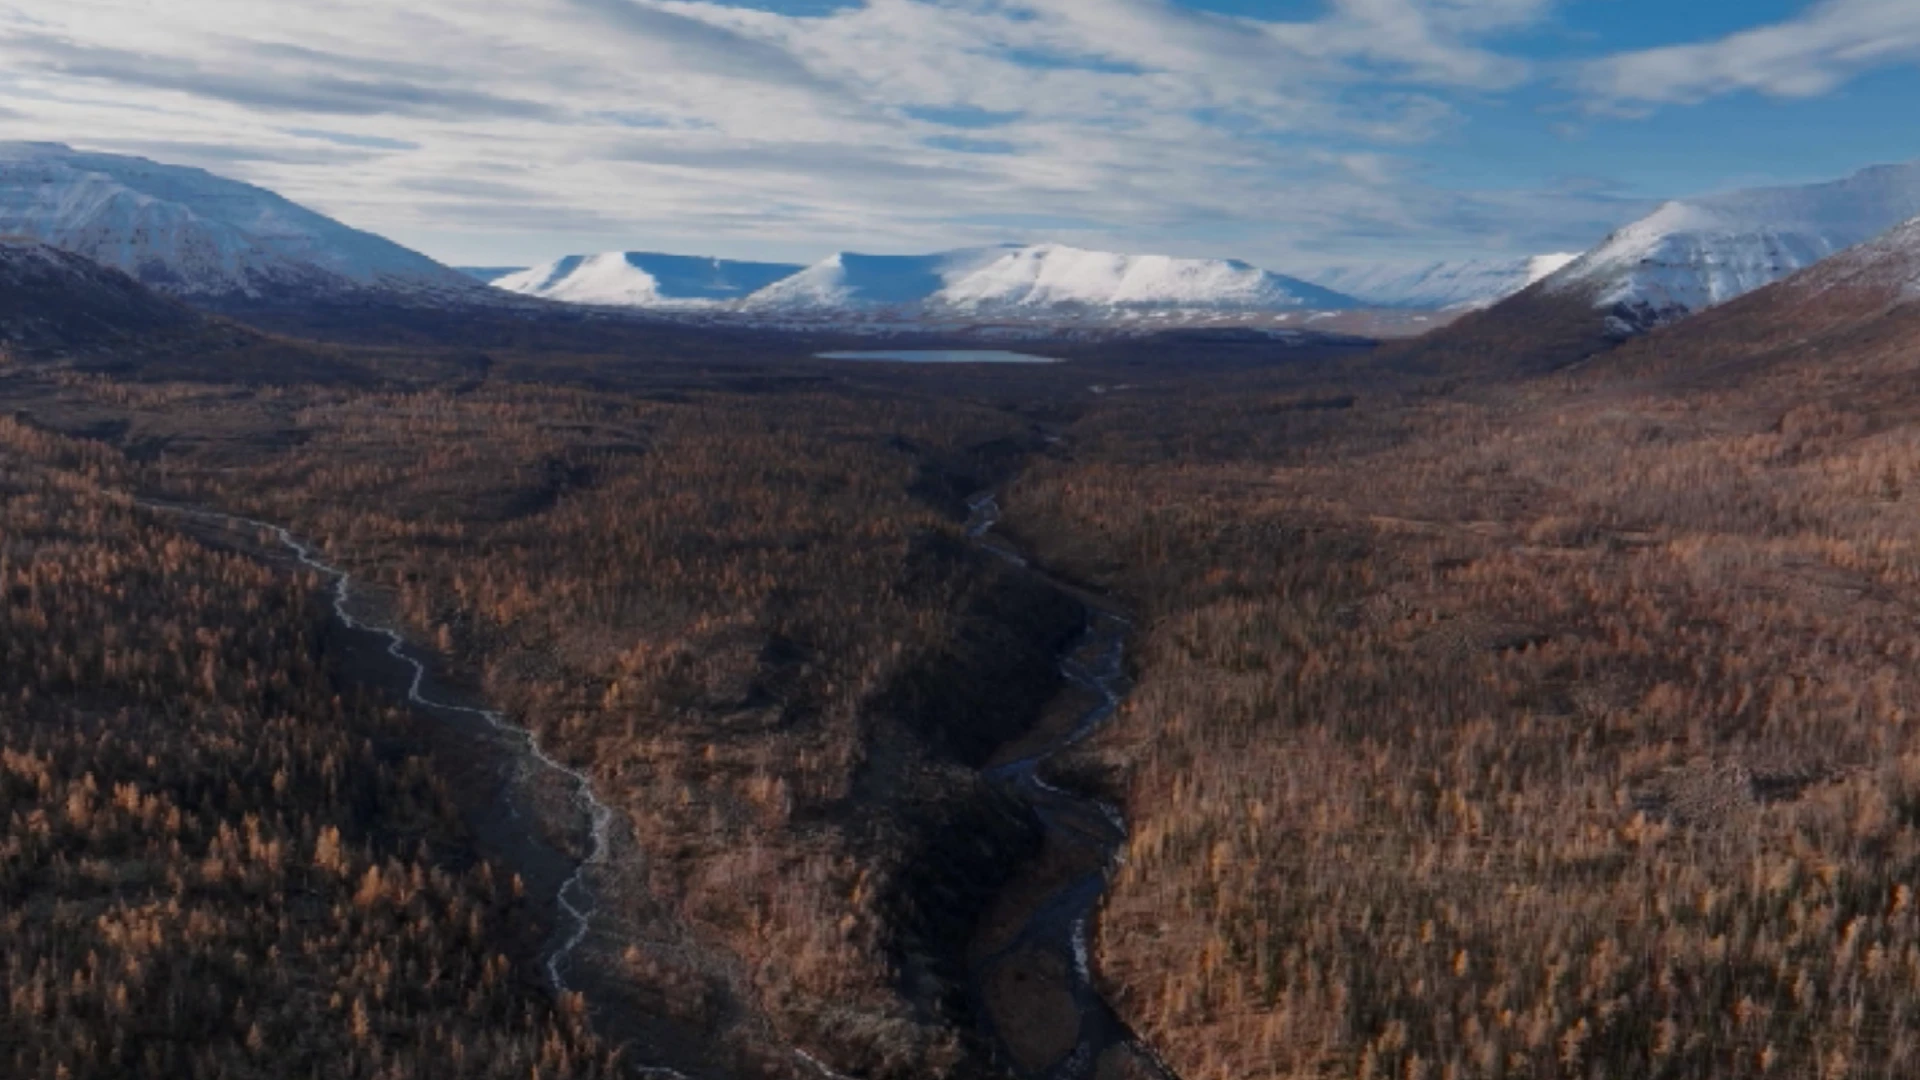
(484, 130)
(1822, 48)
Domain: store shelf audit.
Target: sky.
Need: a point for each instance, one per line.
(1290, 133)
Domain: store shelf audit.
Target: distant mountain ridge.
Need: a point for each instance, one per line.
(645, 279)
(237, 248)
(191, 234)
(1441, 286)
(1008, 279)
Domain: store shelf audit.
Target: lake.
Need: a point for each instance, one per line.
(941, 356)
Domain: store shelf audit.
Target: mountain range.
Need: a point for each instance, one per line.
(230, 246)
(1005, 280)
(1862, 304)
(1440, 286)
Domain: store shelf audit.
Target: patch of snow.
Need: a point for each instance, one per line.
(1542, 267)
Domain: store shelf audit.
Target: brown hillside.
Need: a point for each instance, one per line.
(1534, 331)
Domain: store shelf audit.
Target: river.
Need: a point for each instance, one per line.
(1032, 966)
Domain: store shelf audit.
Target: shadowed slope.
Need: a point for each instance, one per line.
(54, 300)
(1535, 331)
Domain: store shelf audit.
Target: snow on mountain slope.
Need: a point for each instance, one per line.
(645, 279)
(192, 234)
(1040, 277)
(1471, 283)
(1693, 254)
(1052, 274)
(1894, 261)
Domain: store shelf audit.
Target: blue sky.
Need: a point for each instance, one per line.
(1291, 133)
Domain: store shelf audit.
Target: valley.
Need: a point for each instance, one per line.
(941, 676)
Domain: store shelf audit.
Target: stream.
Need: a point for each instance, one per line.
(505, 825)
(1033, 975)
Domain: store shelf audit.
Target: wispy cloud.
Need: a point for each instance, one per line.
(342, 138)
(885, 123)
(1810, 54)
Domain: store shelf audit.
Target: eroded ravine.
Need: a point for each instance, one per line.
(1031, 962)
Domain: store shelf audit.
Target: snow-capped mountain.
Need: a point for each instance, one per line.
(1455, 285)
(1692, 254)
(195, 235)
(645, 279)
(1038, 278)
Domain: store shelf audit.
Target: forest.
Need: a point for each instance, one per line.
(1543, 730)
(747, 610)
(221, 857)
(1543, 727)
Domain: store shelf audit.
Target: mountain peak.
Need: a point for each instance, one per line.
(1692, 254)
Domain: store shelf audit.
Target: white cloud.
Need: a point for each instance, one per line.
(1810, 54)
(474, 127)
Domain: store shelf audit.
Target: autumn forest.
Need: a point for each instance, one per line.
(1451, 725)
